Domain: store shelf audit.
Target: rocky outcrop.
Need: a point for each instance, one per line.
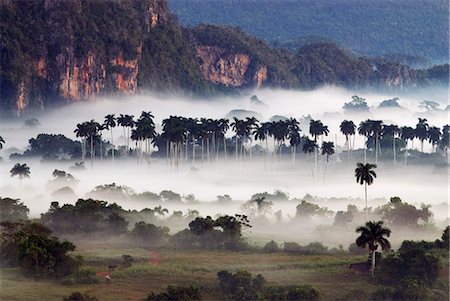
(230, 69)
(81, 78)
(158, 13)
(125, 75)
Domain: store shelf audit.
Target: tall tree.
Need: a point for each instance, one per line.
(365, 175)
(364, 129)
(82, 131)
(110, 123)
(293, 136)
(392, 131)
(434, 136)
(347, 128)
(21, 171)
(309, 146)
(328, 150)
(372, 235)
(407, 133)
(445, 141)
(422, 131)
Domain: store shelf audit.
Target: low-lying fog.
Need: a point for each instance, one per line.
(423, 184)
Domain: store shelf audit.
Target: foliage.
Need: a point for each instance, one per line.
(12, 210)
(224, 232)
(271, 247)
(358, 104)
(257, 207)
(308, 210)
(176, 293)
(37, 252)
(86, 216)
(414, 264)
(240, 285)
(401, 214)
(311, 248)
(77, 296)
(389, 27)
(149, 234)
(51, 146)
(83, 276)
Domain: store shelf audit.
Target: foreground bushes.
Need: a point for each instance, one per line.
(176, 293)
(77, 296)
(291, 292)
(83, 276)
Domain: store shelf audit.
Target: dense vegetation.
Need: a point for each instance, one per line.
(410, 27)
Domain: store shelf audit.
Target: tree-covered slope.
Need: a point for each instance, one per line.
(413, 27)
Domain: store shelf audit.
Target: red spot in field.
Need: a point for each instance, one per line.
(154, 258)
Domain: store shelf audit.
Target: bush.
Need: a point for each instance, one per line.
(302, 292)
(271, 247)
(412, 264)
(127, 261)
(83, 276)
(176, 293)
(241, 286)
(411, 290)
(149, 234)
(291, 247)
(77, 296)
(383, 294)
(291, 293)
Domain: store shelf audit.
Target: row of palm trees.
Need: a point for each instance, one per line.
(182, 136)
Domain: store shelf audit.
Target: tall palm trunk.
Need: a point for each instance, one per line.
(92, 151)
(193, 149)
(112, 145)
(225, 146)
(365, 149)
(376, 148)
(372, 270)
(365, 194)
(395, 154)
(236, 144)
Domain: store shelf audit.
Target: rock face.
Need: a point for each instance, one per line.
(221, 66)
(158, 13)
(79, 49)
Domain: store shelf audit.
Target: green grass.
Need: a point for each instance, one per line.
(327, 273)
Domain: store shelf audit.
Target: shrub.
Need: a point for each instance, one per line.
(240, 285)
(127, 260)
(271, 247)
(291, 247)
(291, 293)
(413, 264)
(383, 294)
(176, 293)
(302, 292)
(83, 276)
(77, 296)
(411, 289)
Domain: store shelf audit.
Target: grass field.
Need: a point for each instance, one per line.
(153, 271)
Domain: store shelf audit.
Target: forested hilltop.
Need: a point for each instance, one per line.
(411, 28)
(54, 52)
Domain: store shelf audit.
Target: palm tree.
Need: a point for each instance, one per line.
(347, 129)
(364, 129)
(82, 131)
(293, 136)
(2, 141)
(421, 131)
(376, 127)
(328, 150)
(392, 131)
(92, 132)
(223, 126)
(444, 144)
(365, 175)
(20, 170)
(434, 136)
(160, 211)
(372, 235)
(407, 133)
(309, 146)
(110, 123)
(126, 121)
